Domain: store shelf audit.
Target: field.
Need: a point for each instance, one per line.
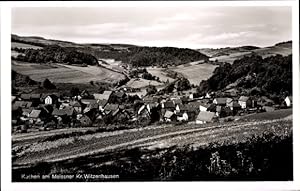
(142, 83)
(60, 73)
(230, 58)
(24, 46)
(282, 113)
(195, 73)
(263, 52)
(233, 151)
(159, 72)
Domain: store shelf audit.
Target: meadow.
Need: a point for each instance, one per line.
(60, 73)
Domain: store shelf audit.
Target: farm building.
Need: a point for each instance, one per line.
(205, 117)
(233, 105)
(203, 106)
(110, 108)
(288, 101)
(77, 106)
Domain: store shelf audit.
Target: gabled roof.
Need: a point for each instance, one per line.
(68, 111)
(75, 104)
(88, 101)
(24, 104)
(34, 113)
(233, 104)
(27, 111)
(221, 100)
(36, 96)
(243, 98)
(205, 116)
(290, 98)
(102, 102)
(105, 95)
(119, 94)
(111, 107)
(25, 96)
(168, 114)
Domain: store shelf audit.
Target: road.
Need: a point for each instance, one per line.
(149, 137)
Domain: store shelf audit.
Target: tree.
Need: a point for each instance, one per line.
(47, 84)
(183, 84)
(151, 90)
(74, 91)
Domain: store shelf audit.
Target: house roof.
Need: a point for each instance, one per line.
(205, 116)
(219, 108)
(111, 107)
(68, 111)
(34, 113)
(233, 104)
(88, 101)
(25, 96)
(243, 98)
(221, 100)
(102, 102)
(13, 98)
(177, 101)
(168, 114)
(75, 104)
(119, 94)
(25, 104)
(27, 111)
(229, 100)
(105, 95)
(35, 96)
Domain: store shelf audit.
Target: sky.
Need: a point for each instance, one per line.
(187, 27)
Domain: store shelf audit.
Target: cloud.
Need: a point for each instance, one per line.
(161, 26)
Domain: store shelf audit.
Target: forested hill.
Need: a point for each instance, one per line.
(269, 76)
(162, 56)
(130, 54)
(55, 53)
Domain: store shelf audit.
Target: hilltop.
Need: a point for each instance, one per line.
(230, 54)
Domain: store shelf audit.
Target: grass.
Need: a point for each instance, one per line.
(196, 73)
(159, 72)
(277, 114)
(23, 45)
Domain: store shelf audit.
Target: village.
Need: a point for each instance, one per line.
(47, 111)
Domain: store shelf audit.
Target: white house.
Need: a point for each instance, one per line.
(184, 117)
(288, 101)
(50, 99)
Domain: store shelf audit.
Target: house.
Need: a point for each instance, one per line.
(88, 101)
(182, 116)
(203, 106)
(220, 101)
(244, 102)
(288, 101)
(169, 116)
(77, 106)
(51, 99)
(233, 105)
(26, 111)
(104, 96)
(110, 108)
(25, 96)
(22, 104)
(34, 115)
(205, 117)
